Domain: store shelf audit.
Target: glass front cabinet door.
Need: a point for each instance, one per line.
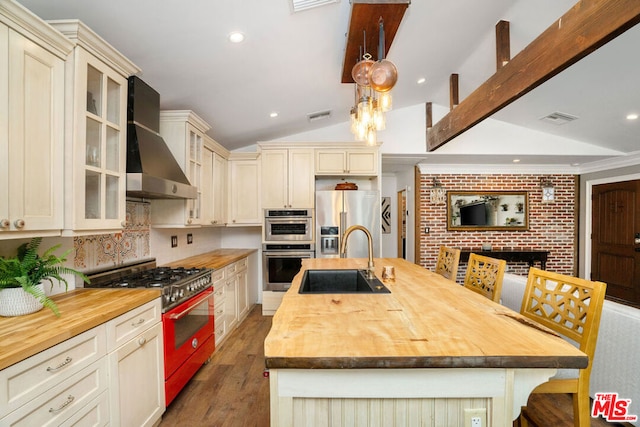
(96, 152)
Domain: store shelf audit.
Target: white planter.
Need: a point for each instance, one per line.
(16, 302)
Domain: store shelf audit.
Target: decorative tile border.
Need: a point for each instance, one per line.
(101, 251)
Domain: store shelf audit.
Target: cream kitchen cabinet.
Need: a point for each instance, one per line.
(362, 162)
(214, 183)
(219, 305)
(184, 133)
(57, 383)
(287, 178)
(112, 374)
(32, 73)
(136, 366)
(235, 296)
(96, 131)
(244, 189)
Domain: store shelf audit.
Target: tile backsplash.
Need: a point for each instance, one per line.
(103, 251)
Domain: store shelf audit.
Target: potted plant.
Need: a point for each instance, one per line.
(22, 279)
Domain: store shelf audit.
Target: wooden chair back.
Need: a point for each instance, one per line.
(484, 275)
(572, 307)
(447, 264)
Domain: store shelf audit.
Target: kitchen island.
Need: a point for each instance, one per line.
(420, 355)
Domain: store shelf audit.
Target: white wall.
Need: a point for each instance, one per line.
(389, 242)
(204, 240)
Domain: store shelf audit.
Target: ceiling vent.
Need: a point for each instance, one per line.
(300, 5)
(320, 115)
(558, 118)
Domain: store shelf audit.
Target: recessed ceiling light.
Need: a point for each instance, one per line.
(274, 114)
(421, 80)
(516, 160)
(236, 37)
(632, 116)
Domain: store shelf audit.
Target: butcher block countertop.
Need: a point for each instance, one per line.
(80, 310)
(426, 321)
(216, 260)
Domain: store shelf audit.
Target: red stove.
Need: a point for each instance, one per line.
(187, 315)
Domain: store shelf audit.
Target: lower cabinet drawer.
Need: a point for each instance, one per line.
(60, 403)
(127, 326)
(93, 414)
(26, 380)
(220, 320)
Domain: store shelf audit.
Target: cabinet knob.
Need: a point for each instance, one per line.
(19, 223)
(142, 341)
(5, 223)
(190, 220)
(123, 224)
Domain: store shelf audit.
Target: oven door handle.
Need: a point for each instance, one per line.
(176, 316)
(284, 254)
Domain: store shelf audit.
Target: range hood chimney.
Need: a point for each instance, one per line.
(152, 170)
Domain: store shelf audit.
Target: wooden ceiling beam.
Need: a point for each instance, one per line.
(365, 15)
(584, 28)
(503, 44)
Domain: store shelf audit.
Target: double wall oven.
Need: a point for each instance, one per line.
(187, 315)
(288, 239)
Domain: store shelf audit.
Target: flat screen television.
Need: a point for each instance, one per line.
(473, 214)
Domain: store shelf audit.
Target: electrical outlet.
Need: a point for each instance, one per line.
(476, 417)
(189, 239)
(174, 241)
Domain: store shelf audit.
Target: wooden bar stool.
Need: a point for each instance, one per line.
(447, 265)
(484, 276)
(572, 307)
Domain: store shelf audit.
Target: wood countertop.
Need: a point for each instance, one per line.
(216, 259)
(426, 321)
(80, 310)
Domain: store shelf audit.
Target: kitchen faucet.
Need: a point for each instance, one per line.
(343, 247)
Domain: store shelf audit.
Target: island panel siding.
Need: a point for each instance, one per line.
(552, 225)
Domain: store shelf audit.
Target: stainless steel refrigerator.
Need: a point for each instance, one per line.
(338, 210)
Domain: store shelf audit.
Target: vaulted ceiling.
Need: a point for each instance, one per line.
(291, 63)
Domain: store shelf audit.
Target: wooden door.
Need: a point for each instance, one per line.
(615, 239)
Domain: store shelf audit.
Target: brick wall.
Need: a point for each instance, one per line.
(552, 225)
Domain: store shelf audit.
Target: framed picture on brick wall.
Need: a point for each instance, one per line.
(487, 210)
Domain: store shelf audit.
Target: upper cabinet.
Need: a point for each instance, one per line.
(184, 133)
(214, 183)
(244, 189)
(32, 56)
(287, 178)
(356, 161)
(96, 144)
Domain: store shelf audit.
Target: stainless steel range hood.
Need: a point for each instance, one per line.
(152, 170)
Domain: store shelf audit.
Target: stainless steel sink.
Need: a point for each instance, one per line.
(340, 282)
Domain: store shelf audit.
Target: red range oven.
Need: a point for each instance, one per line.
(188, 340)
(187, 315)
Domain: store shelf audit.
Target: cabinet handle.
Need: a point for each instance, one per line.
(5, 223)
(142, 341)
(123, 224)
(219, 312)
(19, 223)
(60, 366)
(190, 220)
(138, 323)
(68, 402)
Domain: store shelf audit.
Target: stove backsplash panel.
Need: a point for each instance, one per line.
(102, 251)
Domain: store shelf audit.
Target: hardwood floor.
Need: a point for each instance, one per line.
(231, 390)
